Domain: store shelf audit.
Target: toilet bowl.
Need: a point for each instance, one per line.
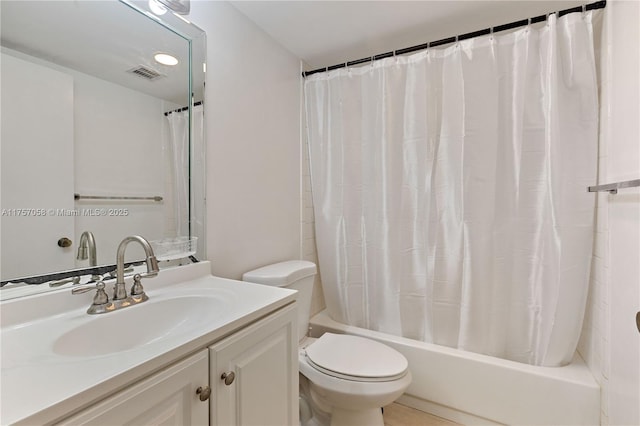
(348, 378)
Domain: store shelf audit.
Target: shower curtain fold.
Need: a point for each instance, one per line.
(449, 191)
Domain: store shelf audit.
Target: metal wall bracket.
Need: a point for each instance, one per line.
(612, 188)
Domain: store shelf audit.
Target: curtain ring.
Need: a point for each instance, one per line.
(491, 33)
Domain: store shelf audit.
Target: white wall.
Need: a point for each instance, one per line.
(252, 107)
(120, 147)
(610, 342)
(623, 154)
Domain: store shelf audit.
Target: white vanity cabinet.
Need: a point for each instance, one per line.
(166, 398)
(254, 374)
(262, 358)
(59, 366)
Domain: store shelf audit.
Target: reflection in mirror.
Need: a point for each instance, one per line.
(99, 137)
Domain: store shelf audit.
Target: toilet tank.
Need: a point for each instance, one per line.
(294, 274)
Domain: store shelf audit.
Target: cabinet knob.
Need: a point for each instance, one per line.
(203, 393)
(228, 377)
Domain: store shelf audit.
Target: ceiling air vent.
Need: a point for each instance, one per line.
(145, 72)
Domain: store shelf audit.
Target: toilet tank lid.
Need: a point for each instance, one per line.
(281, 274)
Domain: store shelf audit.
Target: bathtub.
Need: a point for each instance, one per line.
(474, 389)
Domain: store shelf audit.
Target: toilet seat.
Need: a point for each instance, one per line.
(355, 358)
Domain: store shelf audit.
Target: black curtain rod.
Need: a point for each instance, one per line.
(182, 109)
(523, 22)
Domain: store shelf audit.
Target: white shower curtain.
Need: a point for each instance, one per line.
(179, 142)
(449, 191)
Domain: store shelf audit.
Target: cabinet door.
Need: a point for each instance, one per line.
(166, 398)
(264, 359)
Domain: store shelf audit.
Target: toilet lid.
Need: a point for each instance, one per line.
(356, 358)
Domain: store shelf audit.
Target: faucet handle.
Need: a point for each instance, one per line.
(137, 292)
(88, 287)
(101, 297)
(83, 289)
(74, 280)
(100, 300)
(136, 287)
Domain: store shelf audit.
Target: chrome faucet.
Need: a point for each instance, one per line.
(101, 302)
(87, 242)
(120, 291)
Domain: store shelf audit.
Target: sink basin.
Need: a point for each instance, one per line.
(151, 321)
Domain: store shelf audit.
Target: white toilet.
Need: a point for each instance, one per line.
(349, 378)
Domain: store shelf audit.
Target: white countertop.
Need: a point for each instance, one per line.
(42, 382)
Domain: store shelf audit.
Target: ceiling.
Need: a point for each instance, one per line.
(104, 39)
(324, 33)
(106, 42)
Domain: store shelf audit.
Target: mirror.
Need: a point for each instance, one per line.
(99, 139)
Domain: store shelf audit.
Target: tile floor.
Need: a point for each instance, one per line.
(401, 415)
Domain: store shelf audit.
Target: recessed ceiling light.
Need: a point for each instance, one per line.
(165, 59)
(157, 8)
